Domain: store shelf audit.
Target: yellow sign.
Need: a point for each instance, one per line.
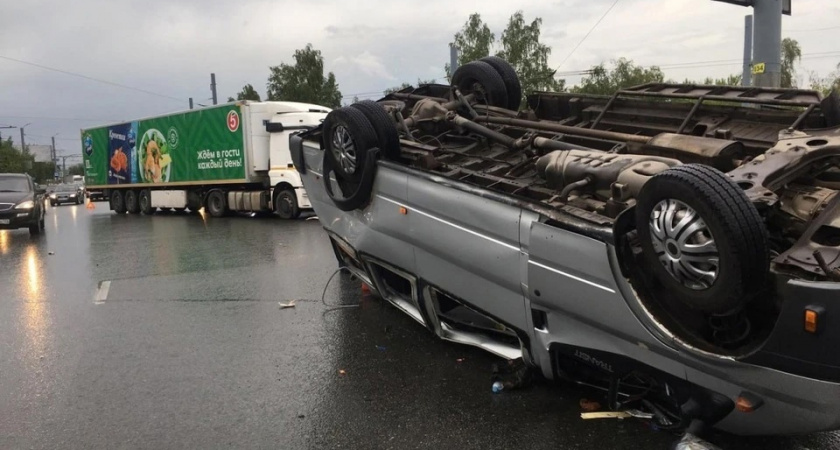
(758, 68)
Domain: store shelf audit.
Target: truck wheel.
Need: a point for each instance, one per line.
(216, 204)
(702, 238)
(131, 203)
(145, 202)
(383, 125)
(509, 78)
(348, 135)
(118, 202)
(286, 205)
(481, 79)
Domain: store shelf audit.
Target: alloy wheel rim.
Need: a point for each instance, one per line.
(684, 244)
(344, 149)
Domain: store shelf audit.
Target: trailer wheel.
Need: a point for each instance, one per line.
(286, 205)
(509, 77)
(216, 204)
(702, 238)
(145, 200)
(348, 135)
(384, 126)
(131, 203)
(482, 80)
(118, 202)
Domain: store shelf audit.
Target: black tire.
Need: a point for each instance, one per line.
(734, 224)
(144, 202)
(384, 126)
(216, 204)
(193, 201)
(354, 195)
(132, 205)
(509, 77)
(118, 202)
(348, 126)
(480, 78)
(52, 203)
(286, 205)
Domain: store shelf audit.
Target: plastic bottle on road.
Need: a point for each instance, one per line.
(498, 387)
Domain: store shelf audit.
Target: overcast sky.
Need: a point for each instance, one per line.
(171, 47)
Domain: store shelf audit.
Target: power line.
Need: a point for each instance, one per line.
(811, 29)
(98, 80)
(78, 119)
(588, 33)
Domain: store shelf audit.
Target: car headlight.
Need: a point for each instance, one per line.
(52, 195)
(29, 204)
(72, 195)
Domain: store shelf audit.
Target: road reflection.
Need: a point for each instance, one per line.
(4, 242)
(33, 273)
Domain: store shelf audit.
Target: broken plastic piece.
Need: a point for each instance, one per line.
(692, 442)
(605, 415)
(498, 387)
(460, 360)
(342, 372)
(290, 304)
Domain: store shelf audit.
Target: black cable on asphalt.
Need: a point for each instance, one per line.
(324, 295)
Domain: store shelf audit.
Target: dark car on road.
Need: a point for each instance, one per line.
(21, 203)
(67, 193)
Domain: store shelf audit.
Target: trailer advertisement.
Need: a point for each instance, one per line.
(194, 146)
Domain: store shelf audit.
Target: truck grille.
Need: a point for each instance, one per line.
(6, 206)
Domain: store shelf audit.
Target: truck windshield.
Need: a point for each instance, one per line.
(14, 184)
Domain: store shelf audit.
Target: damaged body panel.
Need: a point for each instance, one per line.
(677, 245)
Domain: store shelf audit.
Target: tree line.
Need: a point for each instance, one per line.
(304, 80)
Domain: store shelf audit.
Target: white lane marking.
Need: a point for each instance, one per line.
(102, 293)
(557, 271)
(446, 222)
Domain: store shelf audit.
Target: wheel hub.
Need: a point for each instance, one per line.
(344, 149)
(684, 244)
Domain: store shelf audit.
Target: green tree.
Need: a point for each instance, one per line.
(304, 81)
(76, 169)
(825, 84)
(521, 48)
(247, 93)
(731, 80)
(11, 159)
(791, 53)
(407, 85)
(623, 74)
(474, 41)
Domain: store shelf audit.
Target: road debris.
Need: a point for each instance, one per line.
(381, 348)
(342, 372)
(290, 304)
(498, 386)
(692, 442)
(460, 360)
(589, 405)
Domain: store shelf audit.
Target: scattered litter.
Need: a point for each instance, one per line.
(514, 374)
(460, 360)
(692, 442)
(51, 253)
(605, 415)
(589, 405)
(381, 348)
(342, 372)
(616, 414)
(365, 289)
(301, 416)
(498, 387)
(290, 304)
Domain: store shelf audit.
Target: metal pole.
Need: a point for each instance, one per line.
(453, 59)
(768, 41)
(191, 103)
(746, 74)
(52, 155)
(22, 141)
(213, 86)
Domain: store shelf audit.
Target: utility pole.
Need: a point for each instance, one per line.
(22, 142)
(768, 42)
(746, 74)
(453, 59)
(52, 155)
(213, 86)
(767, 39)
(191, 103)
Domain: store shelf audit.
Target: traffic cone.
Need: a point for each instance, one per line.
(90, 205)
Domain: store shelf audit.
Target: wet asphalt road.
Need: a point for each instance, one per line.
(190, 350)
